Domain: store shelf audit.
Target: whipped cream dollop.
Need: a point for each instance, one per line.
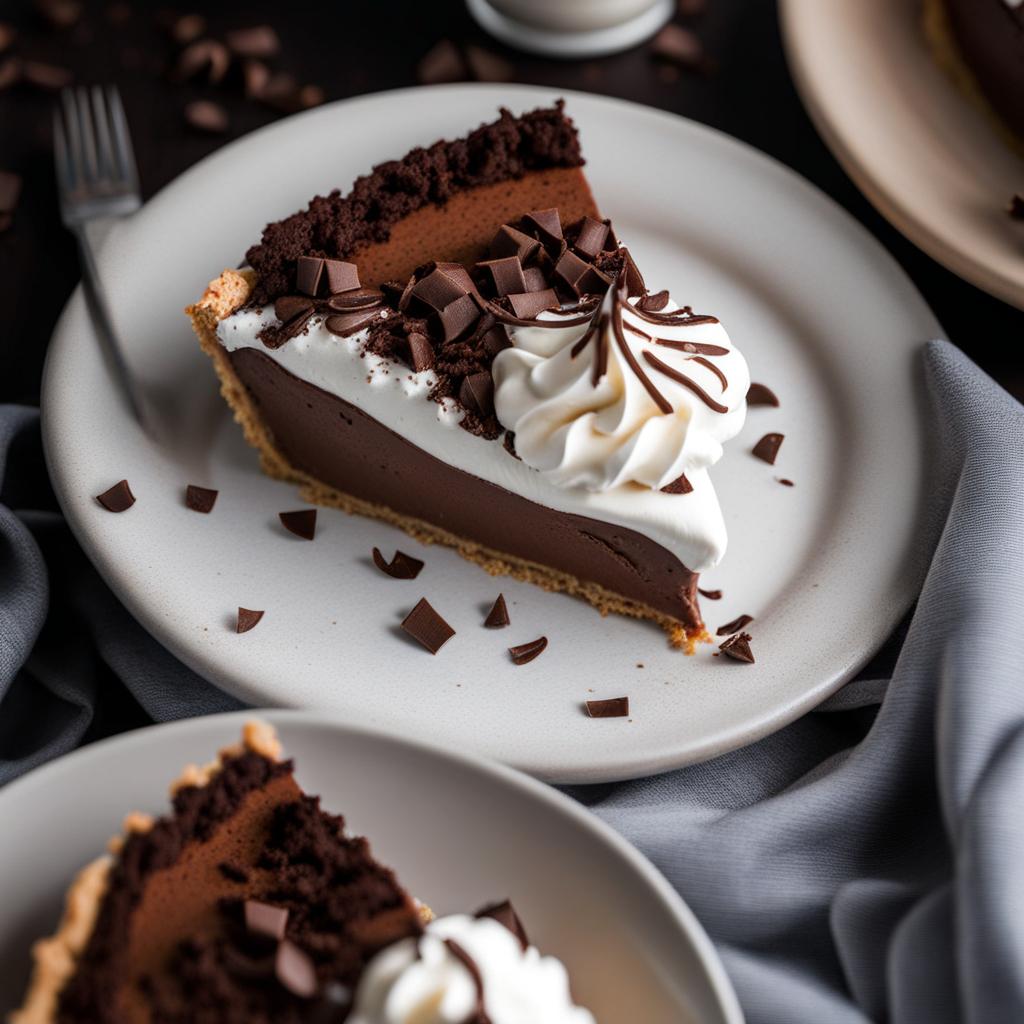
(634, 396)
(459, 966)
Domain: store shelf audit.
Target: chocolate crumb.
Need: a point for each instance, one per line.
(421, 352)
(738, 648)
(401, 567)
(525, 653)
(425, 625)
(505, 914)
(295, 970)
(302, 522)
(711, 595)
(761, 394)
(200, 499)
(678, 486)
(206, 116)
(768, 448)
(735, 626)
(247, 618)
(117, 498)
(784, 481)
(497, 617)
(442, 63)
(613, 707)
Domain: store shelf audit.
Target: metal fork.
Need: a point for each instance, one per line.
(98, 181)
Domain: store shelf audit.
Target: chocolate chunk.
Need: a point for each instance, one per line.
(785, 483)
(206, 116)
(738, 647)
(591, 238)
(10, 191)
(582, 277)
(534, 279)
(497, 617)
(426, 626)
(258, 41)
(49, 77)
(188, 28)
(457, 317)
(634, 279)
(61, 14)
(459, 274)
(614, 707)
(548, 225)
(528, 305)
(761, 394)
(504, 913)
(1016, 208)
(117, 498)
(525, 653)
(203, 57)
(309, 273)
(341, 276)
(344, 325)
(287, 307)
(505, 273)
(653, 303)
(678, 486)
(488, 67)
(356, 298)
(509, 241)
(263, 919)
(401, 567)
(438, 289)
(711, 595)
(302, 522)
(247, 618)
(200, 499)
(295, 971)
(735, 626)
(421, 352)
(477, 392)
(679, 46)
(442, 63)
(495, 340)
(768, 447)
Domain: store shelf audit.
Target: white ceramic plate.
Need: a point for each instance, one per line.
(827, 567)
(926, 156)
(459, 832)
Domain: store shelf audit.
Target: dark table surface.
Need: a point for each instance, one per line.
(359, 46)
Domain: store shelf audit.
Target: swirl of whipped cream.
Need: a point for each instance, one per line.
(458, 964)
(637, 397)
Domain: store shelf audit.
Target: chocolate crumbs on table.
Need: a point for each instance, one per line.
(301, 522)
(738, 648)
(681, 485)
(523, 654)
(247, 619)
(735, 626)
(613, 707)
(427, 627)
(401, 567)
(497, 617)
(200, 499)
(761, 394)
(118, 498)
(767, 449)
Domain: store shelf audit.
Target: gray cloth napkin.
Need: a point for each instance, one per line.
(853, 867)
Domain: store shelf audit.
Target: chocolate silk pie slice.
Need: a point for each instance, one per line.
(462, 347)
(246, 903)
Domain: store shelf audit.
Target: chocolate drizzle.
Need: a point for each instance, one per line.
(687, 382)
(479, 1013)
(656, 396)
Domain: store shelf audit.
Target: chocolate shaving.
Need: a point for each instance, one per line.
(534, 280)
(525, 653)
(506, 274)
(785, 483)
(287, 307)
(738, 648)
(477, 392)
(302, 522)
(341, 276)
(421, 352)
(529, 305)
(355, 298)
(548, 225)
(309, 272)
(263, 919)
(653, 303)
(426, 626)
(510, 241)
(505, 914)
(711, 595)
(497, 617)
(735, 626)
(295, 971)
(247, 618)
(768, 447)
(591, 238)
(200, 499)
(613, 707)
(344, 325)
(479, 1014)
(118, 498)
(458, 317)
(494, 340)
(761, 394)
(678, 486)
(401, 567)
(438, 289)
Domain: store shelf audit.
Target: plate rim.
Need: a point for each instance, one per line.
(641, 762)
(853, 160)
(50, 773)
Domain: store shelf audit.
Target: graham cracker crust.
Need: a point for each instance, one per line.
(230, 291)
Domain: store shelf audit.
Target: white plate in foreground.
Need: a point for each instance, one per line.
(459, 832)
(827, 567)
(930, 160)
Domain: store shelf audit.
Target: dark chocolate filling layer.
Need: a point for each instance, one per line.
(338, 444)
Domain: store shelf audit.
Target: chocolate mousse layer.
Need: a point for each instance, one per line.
(336, 443)
(990, 35)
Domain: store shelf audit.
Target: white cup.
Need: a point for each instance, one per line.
(573, 15)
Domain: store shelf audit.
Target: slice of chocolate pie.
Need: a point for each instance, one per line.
(246, 903)
(462, 347)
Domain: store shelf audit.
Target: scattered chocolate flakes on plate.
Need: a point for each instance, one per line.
(785, 482)
(768, 448)
(117, 498)
(761, 394)
(302, 523)
(247, 618)
(711, 595)
(678, 486)
(497, 617)
(525, 653)
(200, 499)
(426, 626)
(401, 567)
(738, 648)
(505, 914)
(614, 707)
(735, 626)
